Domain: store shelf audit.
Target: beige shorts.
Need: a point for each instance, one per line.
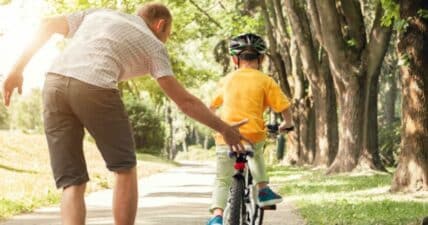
(70, 106)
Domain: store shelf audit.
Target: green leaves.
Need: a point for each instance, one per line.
(423, 13)
(401, 25)
(351, 42)
(146, 124)
(404, 60)
(392, 12)
(392, 16)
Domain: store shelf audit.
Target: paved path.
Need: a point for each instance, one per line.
(180, 196)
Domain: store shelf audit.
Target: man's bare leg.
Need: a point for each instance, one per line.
(125, 197)
(73, 210)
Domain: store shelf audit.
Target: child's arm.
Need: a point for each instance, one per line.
(287, 123)
(277, 100)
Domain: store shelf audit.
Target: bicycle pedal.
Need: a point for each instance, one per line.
(269, 207)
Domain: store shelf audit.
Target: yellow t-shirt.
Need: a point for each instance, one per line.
(245, 94)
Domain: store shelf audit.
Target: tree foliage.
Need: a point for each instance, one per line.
(202, 28)
(26, 112)
(4, 116)
(149, 133)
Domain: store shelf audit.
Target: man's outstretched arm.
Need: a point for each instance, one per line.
(194, 108)
(47, 28)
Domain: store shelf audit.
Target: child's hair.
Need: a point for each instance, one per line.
(249, 55)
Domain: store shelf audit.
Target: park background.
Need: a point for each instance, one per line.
(356, 71)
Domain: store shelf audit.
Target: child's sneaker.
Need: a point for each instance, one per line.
(267, 197)
(216, 220)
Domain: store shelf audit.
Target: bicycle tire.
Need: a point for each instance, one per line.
(237, 207)
(256, 215)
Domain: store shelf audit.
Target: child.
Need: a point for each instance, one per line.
(245, 94)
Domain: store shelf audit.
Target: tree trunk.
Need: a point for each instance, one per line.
(197, 137)
(352, 65)
(412, 171)
(311, 133)
(170, 146)
(326, 118)
(390, 83)
(370, 157)
(377, 47)
(293, 147)
(350, 103)
(185, 148)
(275, 55)
(206, 139)
(307, 134)
(390, 98)
(326, 127)
(319, 77)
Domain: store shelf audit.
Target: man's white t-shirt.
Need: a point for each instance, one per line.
(108, 46)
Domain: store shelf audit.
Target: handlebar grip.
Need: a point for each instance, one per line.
(289, 129)
(231, 154)
(235, 154)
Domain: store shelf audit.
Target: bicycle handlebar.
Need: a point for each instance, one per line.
(274, 128)
(249, 153)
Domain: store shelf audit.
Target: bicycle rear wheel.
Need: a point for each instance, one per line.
(258, 220)
(237, 211)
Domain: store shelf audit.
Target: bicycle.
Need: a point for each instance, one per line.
(242, 207)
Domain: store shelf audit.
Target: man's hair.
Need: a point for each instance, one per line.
(152, 12)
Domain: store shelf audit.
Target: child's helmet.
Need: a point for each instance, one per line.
(248, 41)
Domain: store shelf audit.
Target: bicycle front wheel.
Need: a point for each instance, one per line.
(237, 205)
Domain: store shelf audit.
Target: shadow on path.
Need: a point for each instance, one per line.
(17, 170)
(180, 196)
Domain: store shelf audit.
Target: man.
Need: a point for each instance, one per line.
(245, 94)
(81, 92)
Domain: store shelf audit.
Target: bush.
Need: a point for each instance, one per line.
(26, 112)
(389, 143)
(4, 116)
(148, 130)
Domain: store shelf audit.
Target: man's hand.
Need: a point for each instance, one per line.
(233, 138)
(14, 80)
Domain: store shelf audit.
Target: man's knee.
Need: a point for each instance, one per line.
(126, 172)
(75, 189)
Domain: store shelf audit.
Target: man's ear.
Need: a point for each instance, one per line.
(160, 25)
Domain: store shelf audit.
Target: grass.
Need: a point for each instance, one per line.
(348, 199)
(196, 153)
(27, 181)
